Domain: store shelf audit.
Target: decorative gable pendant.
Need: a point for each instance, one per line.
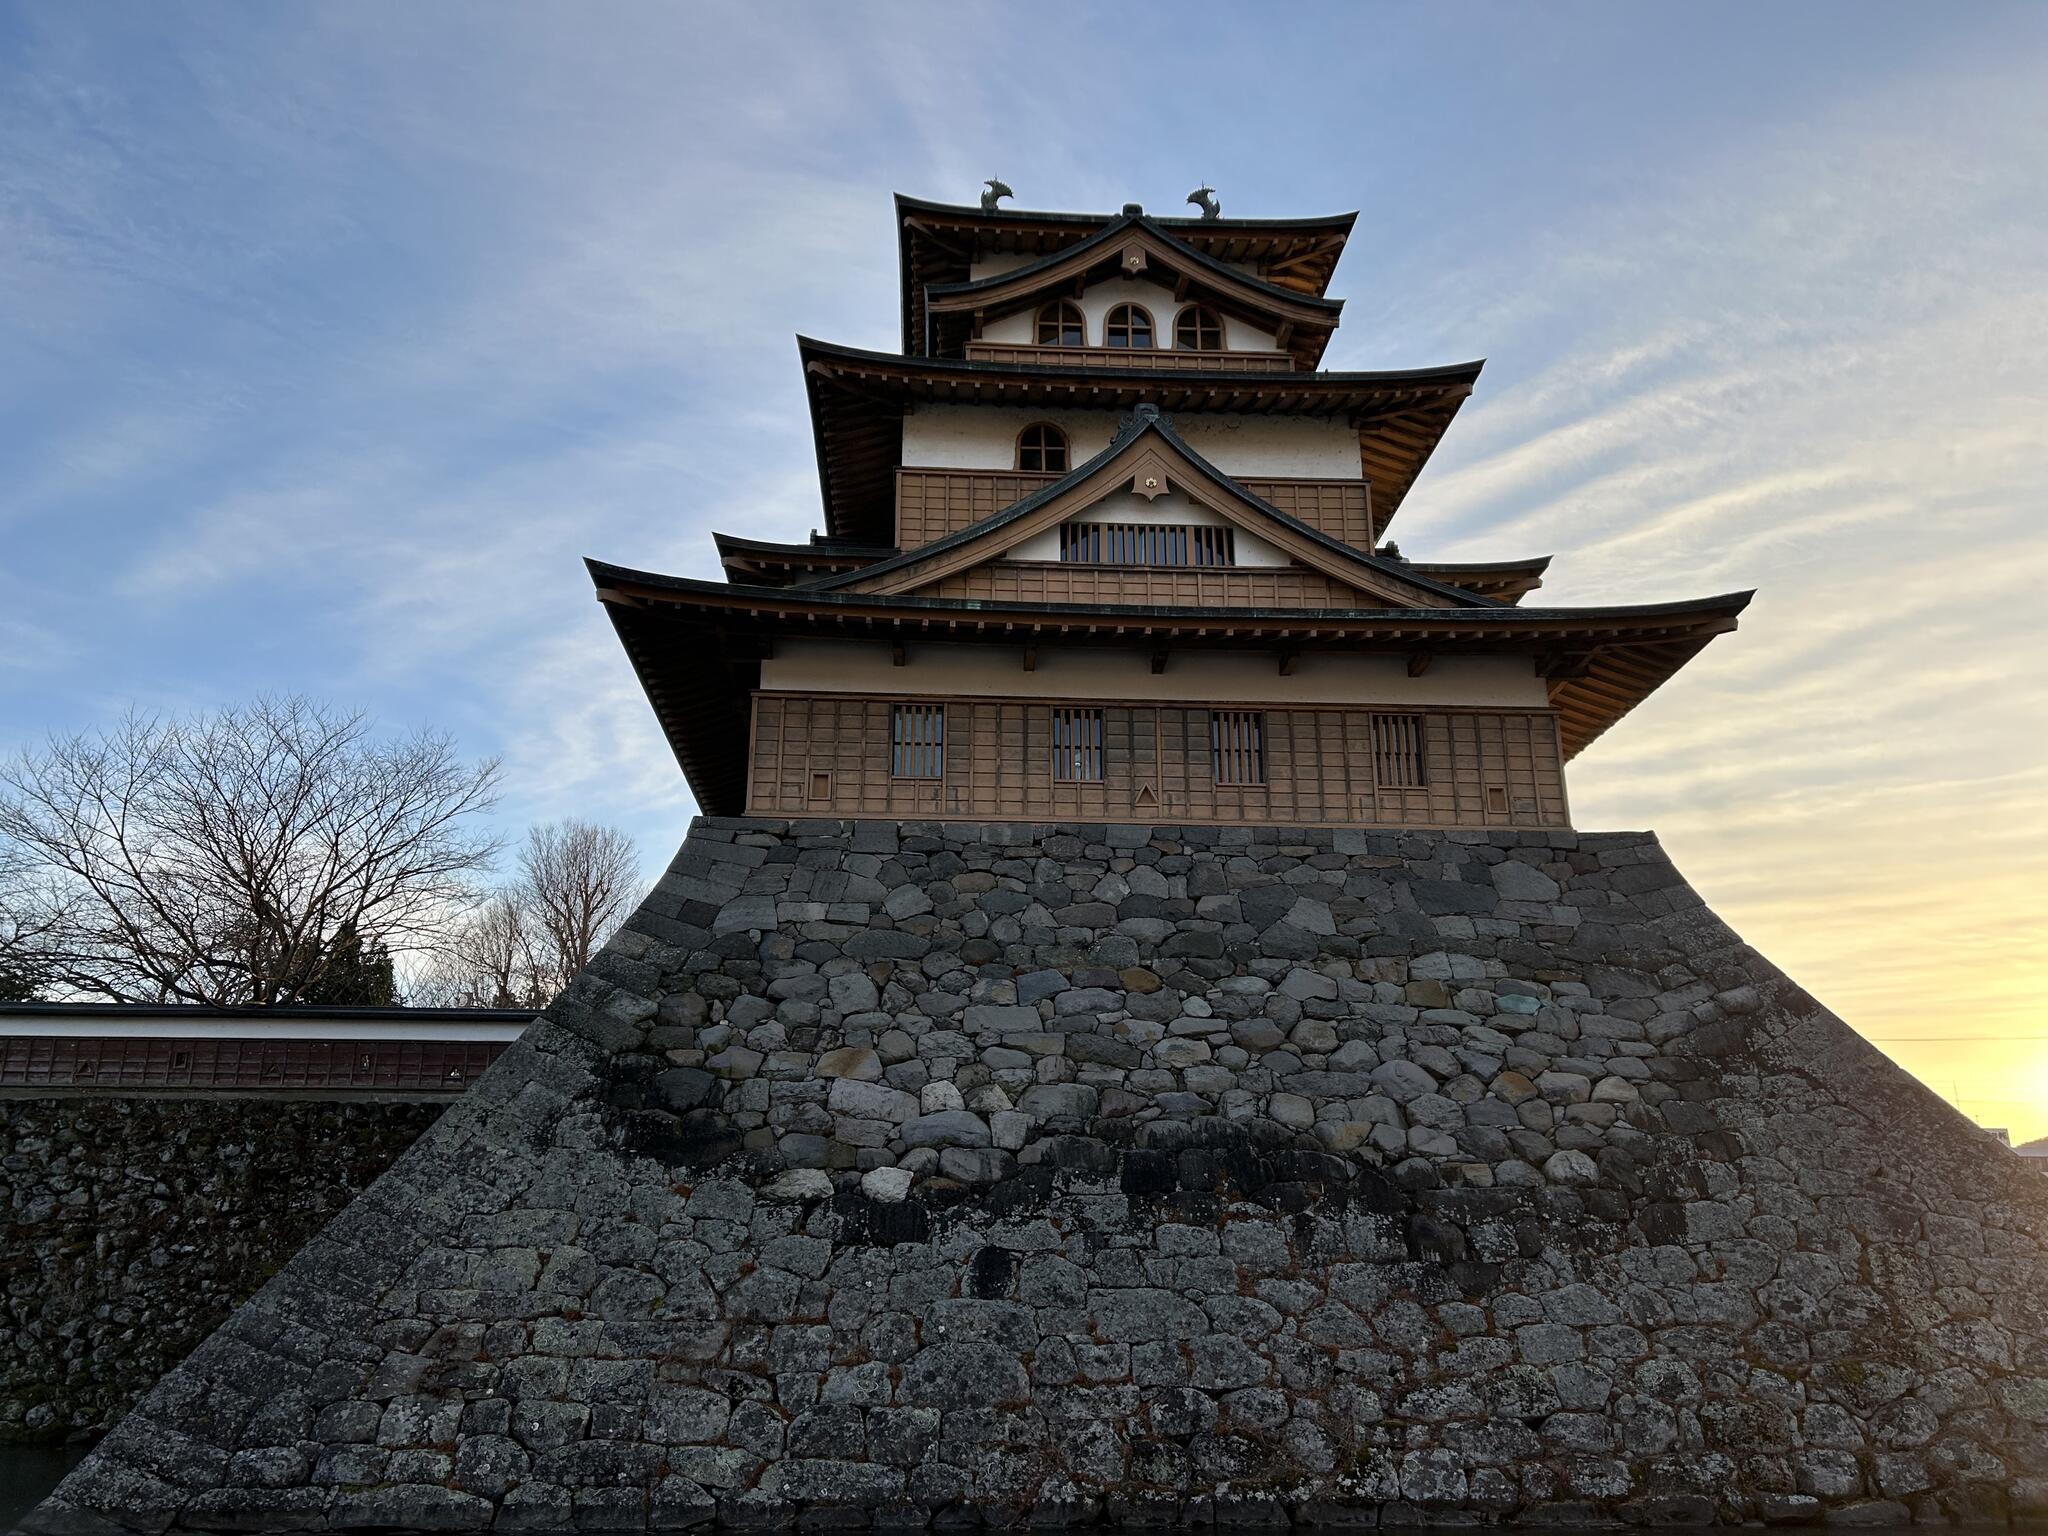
(1149, 478)
(1133, 259)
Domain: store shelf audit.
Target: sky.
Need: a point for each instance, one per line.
(332, 337)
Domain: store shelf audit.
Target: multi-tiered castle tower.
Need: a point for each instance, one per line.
(1135, 1039)
(1105, 542)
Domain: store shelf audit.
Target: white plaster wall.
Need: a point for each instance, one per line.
(1099, 299)
(832, 666)
(985, 437)
(1129, 507)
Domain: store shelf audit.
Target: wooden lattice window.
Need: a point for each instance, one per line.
(1042, 447)
(1076, 745)
(1397, 751)
(1129, 325)
(917, 741)
(1060, 325)
(1198, 328)
(1147, 544)
(1237, 744)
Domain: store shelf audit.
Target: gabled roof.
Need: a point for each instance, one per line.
(697, 646)
(938, 243)
(858, 400)
(1147, 442)
(1303, 321)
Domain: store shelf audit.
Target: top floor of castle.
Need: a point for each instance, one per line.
(1105, 540)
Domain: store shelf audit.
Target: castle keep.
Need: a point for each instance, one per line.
(1135, 1037)
(1105, 541)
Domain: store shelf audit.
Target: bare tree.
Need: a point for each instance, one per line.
(579, 882)
(217, 859)
(29, 910)
(487, 961)
(576, 884)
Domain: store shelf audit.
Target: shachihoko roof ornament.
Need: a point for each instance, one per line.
(1204, 198)
(993, 191)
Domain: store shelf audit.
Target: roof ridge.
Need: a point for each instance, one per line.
(1348, 219)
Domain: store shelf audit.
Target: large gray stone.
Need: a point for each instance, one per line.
(966, 1373)
(1523, 882)
(947, 1128)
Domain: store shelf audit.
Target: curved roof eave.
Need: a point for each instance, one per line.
(1481, 567)
(816, 546)
(1726, 604)
(1456, 373)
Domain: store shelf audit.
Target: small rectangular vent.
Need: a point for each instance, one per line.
(1173, 544)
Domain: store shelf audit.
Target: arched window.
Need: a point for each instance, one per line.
(1060, 325)
(1042, 447)
(1128, 326)
(1198, 328)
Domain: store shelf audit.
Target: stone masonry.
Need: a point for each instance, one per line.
(910, 1174)
(131, 1224)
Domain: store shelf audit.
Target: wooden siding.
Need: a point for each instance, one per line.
(1179, 360)
(1051, 581)
(1482, 768)
(1340, 508)
(931, 503)
(131, 1062)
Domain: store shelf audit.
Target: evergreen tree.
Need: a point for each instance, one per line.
(357, 974)
(16, 984)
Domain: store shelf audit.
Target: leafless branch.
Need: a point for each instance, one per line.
(216, 859)
(577, 884)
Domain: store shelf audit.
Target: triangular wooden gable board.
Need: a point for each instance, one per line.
(1149, 457)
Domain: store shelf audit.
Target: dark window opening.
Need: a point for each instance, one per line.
(1198, 328)
(1060, 325)
(1237, 743)
(1128, 326)
(1397, 751)
(1042, 447)
(1147, 544)
(917, 741)
(1077, 746)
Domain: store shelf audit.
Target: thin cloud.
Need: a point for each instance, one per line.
(346, 333)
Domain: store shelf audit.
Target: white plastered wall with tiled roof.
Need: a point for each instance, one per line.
(985, 437)
(1098, 299)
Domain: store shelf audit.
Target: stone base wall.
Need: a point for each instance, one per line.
(130, 1226)
(926, 1174)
